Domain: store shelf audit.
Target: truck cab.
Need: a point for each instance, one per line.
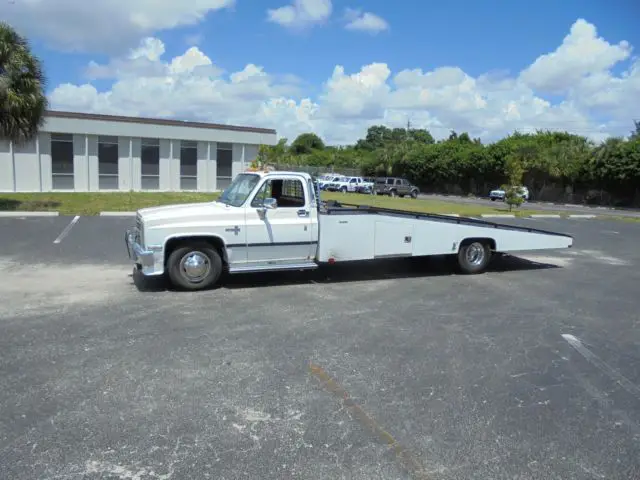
(262, 221)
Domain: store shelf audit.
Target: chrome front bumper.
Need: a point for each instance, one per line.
(143, 259)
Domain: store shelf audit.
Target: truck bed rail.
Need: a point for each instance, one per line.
(336, 208)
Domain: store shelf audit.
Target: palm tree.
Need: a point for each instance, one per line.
(22, 83)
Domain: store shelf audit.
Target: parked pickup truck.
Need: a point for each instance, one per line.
(273, 221)
(327, 179)
(499, 194)
(347, 184)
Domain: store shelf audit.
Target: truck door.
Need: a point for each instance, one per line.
(282, 234)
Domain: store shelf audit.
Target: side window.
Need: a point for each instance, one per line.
(353, 180)
(292, 194)
(398, 181)
(264, 192)
(405, 182)
(289, 193)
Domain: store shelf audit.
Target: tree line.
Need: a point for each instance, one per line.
(555, 166)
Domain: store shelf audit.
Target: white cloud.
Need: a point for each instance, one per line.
(301, 13)
(582, 53)
(104, 26)
(597, 102)
(364, 21)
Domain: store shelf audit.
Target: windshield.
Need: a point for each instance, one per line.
(236, 193)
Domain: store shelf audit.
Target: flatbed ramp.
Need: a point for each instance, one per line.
(383, 232)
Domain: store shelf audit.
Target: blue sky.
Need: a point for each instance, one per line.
(478, 36)
(475, 36)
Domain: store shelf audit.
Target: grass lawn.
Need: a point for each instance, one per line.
(93, 203)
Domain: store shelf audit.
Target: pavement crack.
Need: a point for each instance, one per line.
(404, 457)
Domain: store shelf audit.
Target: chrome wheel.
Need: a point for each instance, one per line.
(195, 266)
(475, 254)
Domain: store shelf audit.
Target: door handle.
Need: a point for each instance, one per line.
(303, 212)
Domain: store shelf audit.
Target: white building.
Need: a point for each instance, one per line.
(86, 153)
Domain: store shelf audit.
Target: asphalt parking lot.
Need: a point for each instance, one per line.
(530, 371)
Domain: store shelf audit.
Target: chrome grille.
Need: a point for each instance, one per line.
(139, 233)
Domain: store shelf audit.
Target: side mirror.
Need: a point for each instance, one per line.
(270, 203)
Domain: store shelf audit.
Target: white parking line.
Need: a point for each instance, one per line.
(28, 214)
(67, 229)
(614, 375)
(117, 214)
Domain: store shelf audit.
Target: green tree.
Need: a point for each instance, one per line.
(23, 101)
(306, 143)
(513, 189)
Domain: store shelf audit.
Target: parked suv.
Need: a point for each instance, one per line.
(394, 186)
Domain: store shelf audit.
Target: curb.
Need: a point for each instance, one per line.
(582, 216)
(29, 214)
(117, 214)
(544, 215)
(498, 215)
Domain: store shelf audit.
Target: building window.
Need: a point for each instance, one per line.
(188, 165)
(62, 161)
(150, 164)
(108, 163)
(224, 156)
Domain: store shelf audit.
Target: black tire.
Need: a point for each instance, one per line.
(178, 276)
(473, 257)
(393, 193)
(414, 194)
(343, 189)
(493, 199)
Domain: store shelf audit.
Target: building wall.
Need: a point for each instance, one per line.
(7, 178)
(29, 167)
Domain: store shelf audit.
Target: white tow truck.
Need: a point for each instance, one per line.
(273, 221)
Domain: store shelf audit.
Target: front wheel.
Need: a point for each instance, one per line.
(474, 257)
(414, 194)
(194, 267)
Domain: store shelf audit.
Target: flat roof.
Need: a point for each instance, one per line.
(155, 121)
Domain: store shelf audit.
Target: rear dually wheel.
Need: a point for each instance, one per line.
(474, 256)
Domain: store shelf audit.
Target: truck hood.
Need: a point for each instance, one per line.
(183, 212)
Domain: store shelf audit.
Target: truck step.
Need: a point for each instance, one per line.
(271, 268)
